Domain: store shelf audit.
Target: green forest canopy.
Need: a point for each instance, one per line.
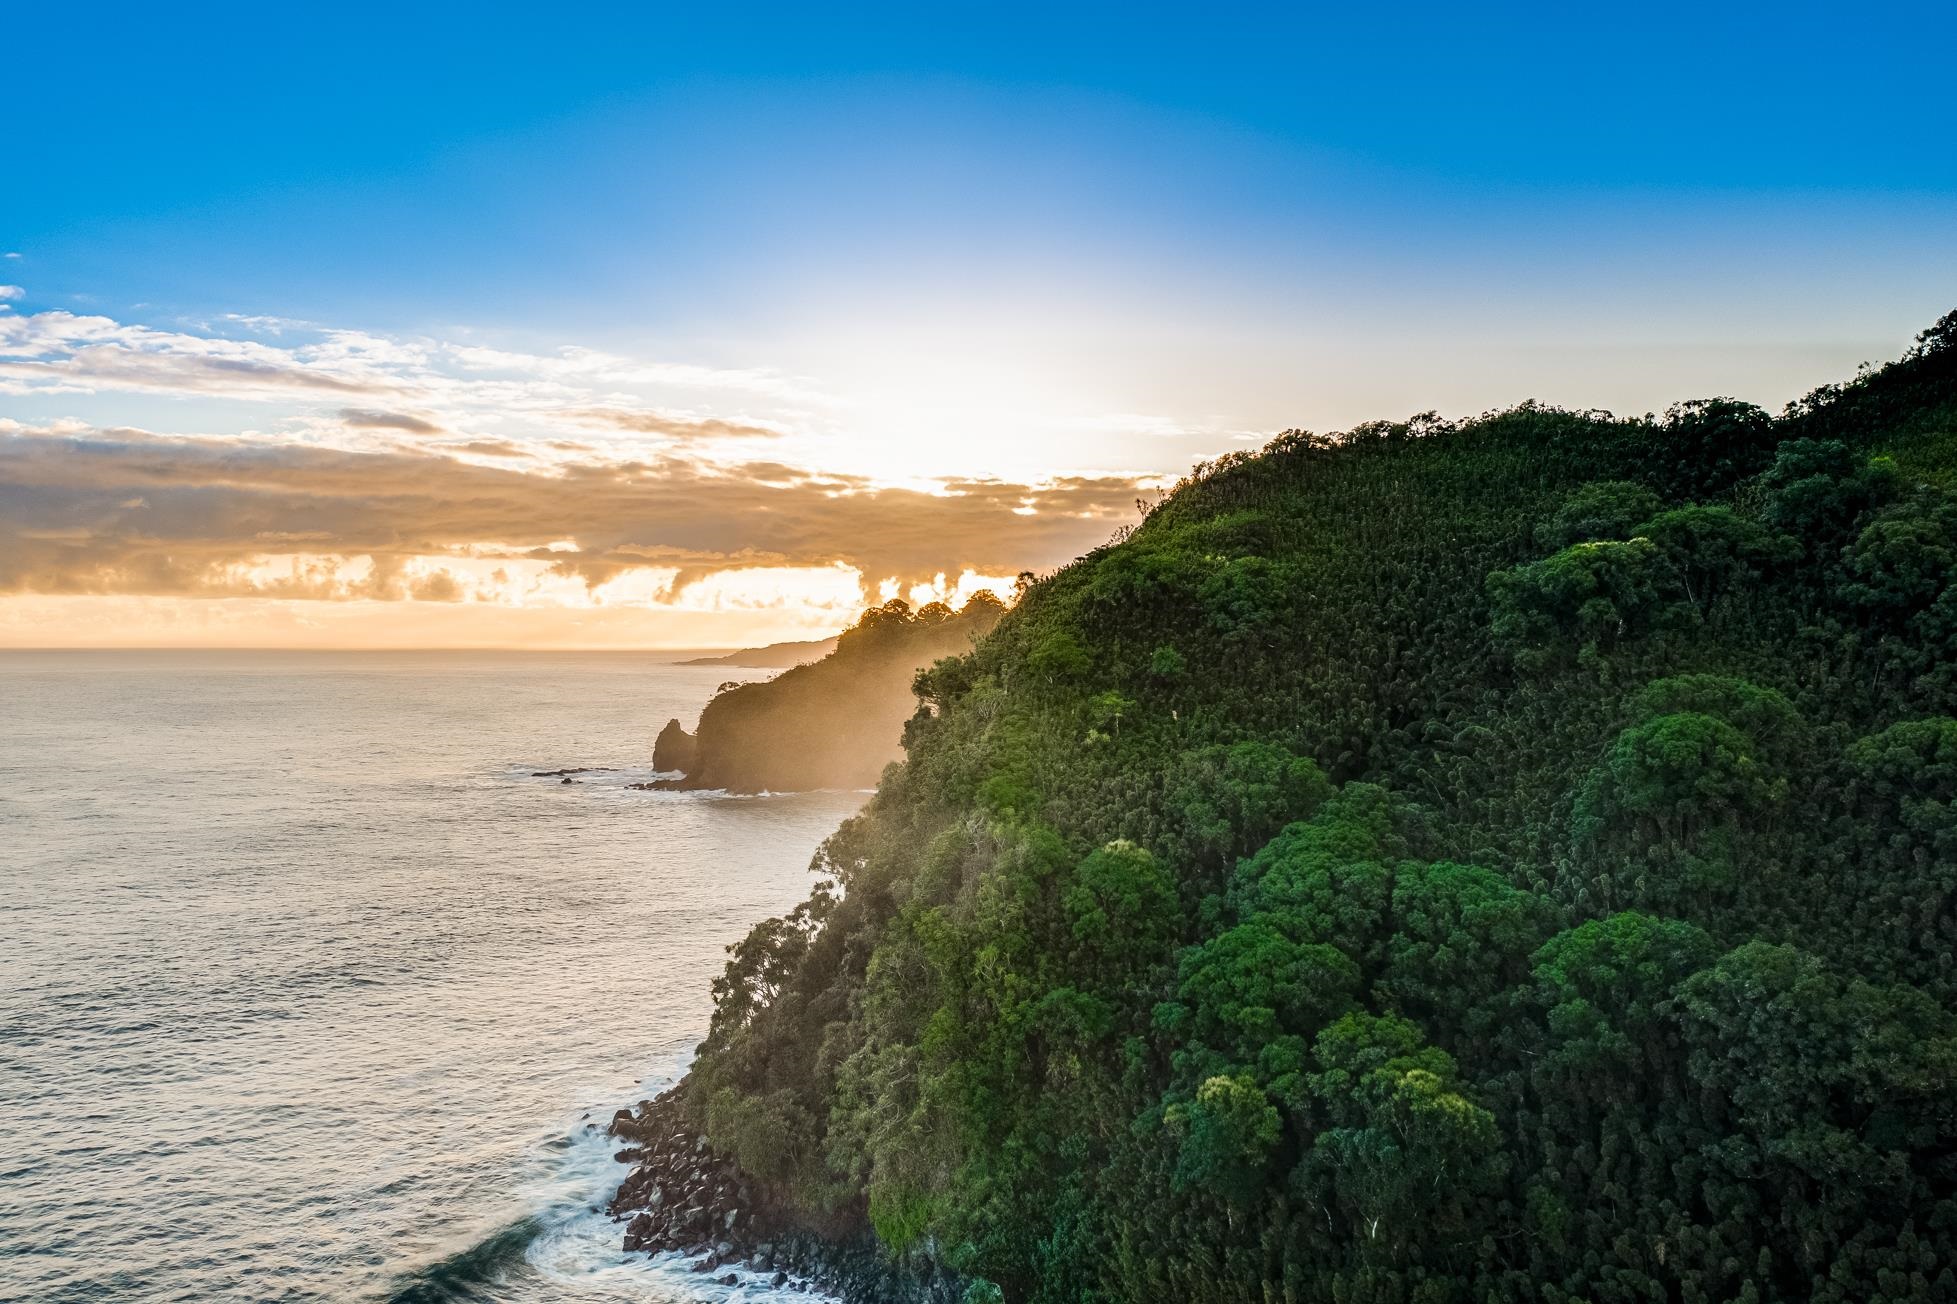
(1505, 860)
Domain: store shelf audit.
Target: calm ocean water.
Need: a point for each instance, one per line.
(310, 991)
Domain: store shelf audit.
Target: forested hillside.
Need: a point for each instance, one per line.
(832, 723)
(1506, 860)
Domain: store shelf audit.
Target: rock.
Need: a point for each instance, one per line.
(723, 1249)
(639, 1232)
(675, 748)
(730, 1280)
(733, 1216)
(779, 1280)
(707, 1264)
(567, 779)
(700, 1148)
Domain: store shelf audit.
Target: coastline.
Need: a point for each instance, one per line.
(683, 1197)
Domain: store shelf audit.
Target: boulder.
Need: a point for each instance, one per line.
(639, 1232)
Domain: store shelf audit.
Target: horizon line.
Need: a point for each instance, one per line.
(449, 647)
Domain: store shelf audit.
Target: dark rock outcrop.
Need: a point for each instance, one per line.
(683, 1197)
(675, 748)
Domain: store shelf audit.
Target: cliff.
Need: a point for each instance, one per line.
(832, 723)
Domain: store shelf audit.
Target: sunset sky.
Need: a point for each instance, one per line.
(661, 327)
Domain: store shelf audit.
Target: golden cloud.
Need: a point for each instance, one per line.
(124, 511)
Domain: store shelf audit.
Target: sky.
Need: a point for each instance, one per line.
(651, 326)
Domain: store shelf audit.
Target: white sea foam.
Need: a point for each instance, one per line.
(578, 1249)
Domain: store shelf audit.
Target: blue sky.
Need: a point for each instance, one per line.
(416, 166)
(920, 244)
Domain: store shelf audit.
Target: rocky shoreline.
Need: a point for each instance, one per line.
(683, 1197)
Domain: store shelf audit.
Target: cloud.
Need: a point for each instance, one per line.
(373, 419)
(672, 426)
(87, 510)
(11, 291)
(488, 448)
(371, 381)
(576, 363)
(64, 353)
(350, 466)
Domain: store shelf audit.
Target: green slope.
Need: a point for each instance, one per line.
(1504, 861)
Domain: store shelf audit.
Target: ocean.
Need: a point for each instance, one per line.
(311, 989)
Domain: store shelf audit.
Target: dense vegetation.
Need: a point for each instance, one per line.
(1510, 860)
(832, 723)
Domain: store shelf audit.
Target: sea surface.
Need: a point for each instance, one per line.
(310, 989)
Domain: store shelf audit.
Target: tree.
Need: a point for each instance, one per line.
(1903, 560)
(1817, 489)
(1705, 447)
(1602, 509)
(1252, 984)
(1714, 549)
(1228, 1133)
(1223, 801)
(1059, 657)
(1598, 593)
(1403, 1152)
(1606, 987)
